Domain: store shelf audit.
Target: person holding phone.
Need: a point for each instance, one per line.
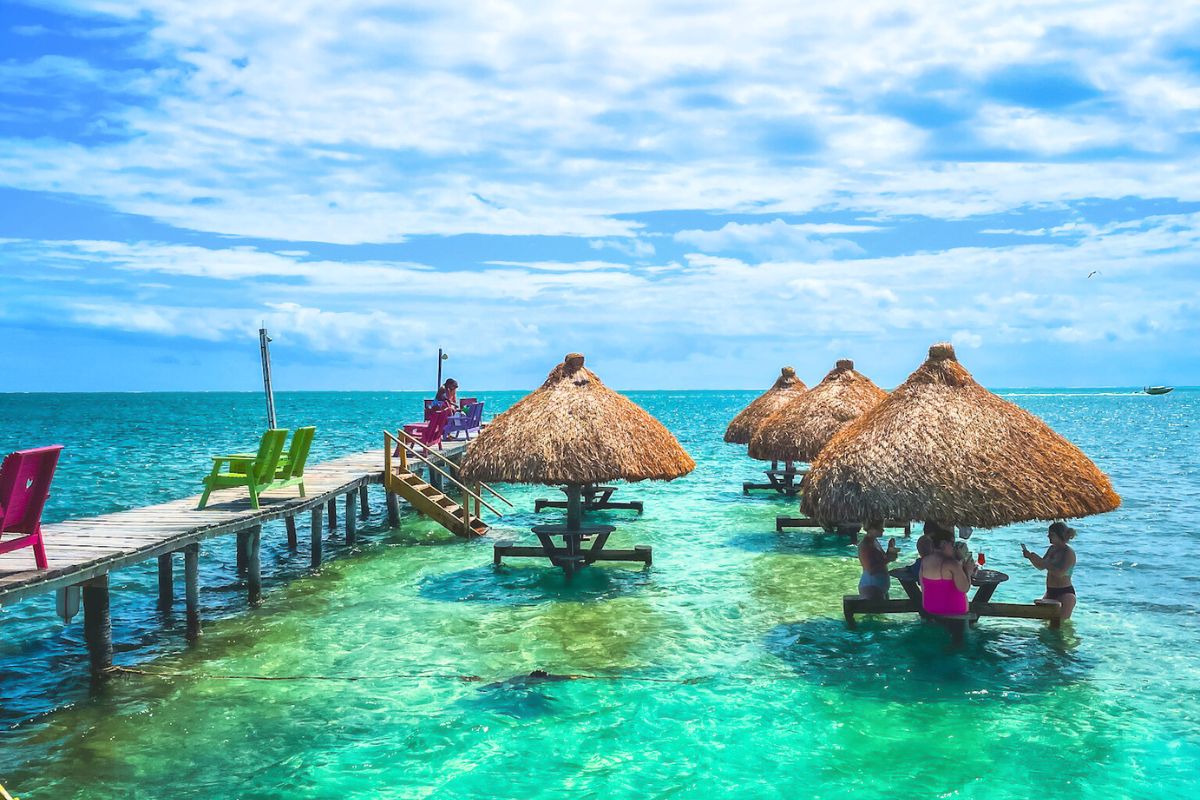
(875, 581)
(1059, 562)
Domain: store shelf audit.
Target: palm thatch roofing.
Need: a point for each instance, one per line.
(749, 418)
(798, 430)
(942, 448)
(574, 430)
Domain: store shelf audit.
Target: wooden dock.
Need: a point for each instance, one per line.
(82, 552)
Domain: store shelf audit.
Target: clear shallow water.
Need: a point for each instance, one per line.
(724, 670)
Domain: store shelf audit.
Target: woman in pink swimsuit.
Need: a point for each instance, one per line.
(944, 583)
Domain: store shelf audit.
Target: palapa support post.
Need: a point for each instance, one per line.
(191, 589)
(364, 509)
(315, 538)
(254, 565)
(393, 510)
(574, 507)
(351, 527)
(97, 624)
(292, 540)
(166, 582)
(333, 512)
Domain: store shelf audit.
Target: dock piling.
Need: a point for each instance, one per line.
(292, 541)
(316, 538)
(191, 583)
(243, 544)
(351, 529)
(364, 509)
(166, 582)
(97, 624)
(393, 510)
(254, 565)
(333, 512)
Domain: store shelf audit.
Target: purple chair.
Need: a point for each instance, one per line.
(25, 478)
(469, 420)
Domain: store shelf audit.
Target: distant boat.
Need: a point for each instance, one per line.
(1158, 389)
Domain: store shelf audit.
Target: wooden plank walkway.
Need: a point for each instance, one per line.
(80, 550)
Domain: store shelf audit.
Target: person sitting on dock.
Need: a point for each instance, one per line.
(448, 393)
(875, 580)
(944, 583)
(1059, 563)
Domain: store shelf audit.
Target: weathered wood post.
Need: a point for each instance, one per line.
(97, 624)
(351, 530)
(574, 508)
(243, 542)
(293, 543)
(166, 582)
(254, 565)
(333, 512)
(393, 510)
(315, 539)
(191, 589)
(466, 512)
(364, 509)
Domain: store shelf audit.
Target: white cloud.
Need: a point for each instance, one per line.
(775, 240)
(342, 122)
(965, 338)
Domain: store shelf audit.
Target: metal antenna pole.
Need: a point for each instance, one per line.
(263, 341)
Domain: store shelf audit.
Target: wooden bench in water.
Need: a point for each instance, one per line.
(784, 481)
(783, 523)
(572, 556)
(855, 605)
(595, 498)
(83, 552)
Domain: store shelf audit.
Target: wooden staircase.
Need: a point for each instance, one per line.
(434, 504)
(462, 519)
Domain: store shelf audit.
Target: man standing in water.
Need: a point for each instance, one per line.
(1059, 562)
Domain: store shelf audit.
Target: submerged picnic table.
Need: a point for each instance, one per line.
(594, 498)
(848, 529)
(572, 556)
(784, 481)
(980, 605)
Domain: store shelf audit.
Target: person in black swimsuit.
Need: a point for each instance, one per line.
(1059, 563)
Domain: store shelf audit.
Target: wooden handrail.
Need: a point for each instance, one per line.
(447, 459)
(389, 439)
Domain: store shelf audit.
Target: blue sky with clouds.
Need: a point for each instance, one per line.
(693, 194)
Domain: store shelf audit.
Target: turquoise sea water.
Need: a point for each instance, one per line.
(723, 671)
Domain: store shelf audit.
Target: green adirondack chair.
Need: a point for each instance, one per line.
(290, 471)
(255, 472)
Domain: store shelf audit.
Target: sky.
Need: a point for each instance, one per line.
(693, 194)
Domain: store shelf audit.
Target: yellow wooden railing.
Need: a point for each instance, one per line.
(392, 442)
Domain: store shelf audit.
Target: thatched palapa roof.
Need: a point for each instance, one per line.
(942, 448)
(748, 419)
(574, 430)
(798, 430)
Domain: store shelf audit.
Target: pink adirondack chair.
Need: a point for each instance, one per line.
(25, 478)
(430, 431)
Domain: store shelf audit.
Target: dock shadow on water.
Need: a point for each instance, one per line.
(532, 585)
(913, 662)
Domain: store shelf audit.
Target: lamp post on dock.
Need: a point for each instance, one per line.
(265, 350)
(442, 356)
